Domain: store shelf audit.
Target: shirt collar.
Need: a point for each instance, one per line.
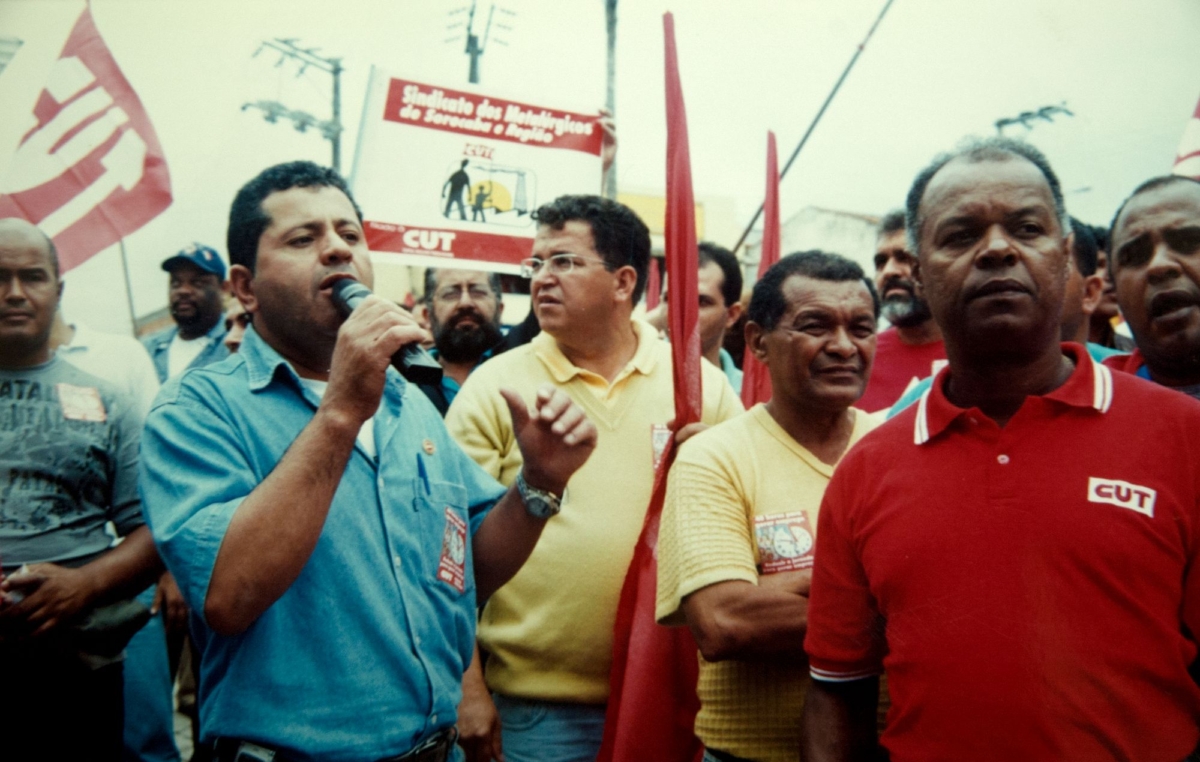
(262, 361)
(218, 330)
(487, 355)
(727, 363)
(563, 370)
(54, 358)
(1088, 386)
(1134, 363)
(263, 364)
(81, 339)
(213, 336)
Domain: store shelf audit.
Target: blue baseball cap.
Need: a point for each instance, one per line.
(204, 257)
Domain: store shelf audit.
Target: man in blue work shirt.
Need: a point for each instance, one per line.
(194, 298)
(329, 536)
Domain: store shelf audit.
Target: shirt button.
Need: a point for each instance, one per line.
(433, 717)
(1002, 460)
(396, 560)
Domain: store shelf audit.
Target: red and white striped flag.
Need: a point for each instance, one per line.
(756, 381)
(91, 170)
(652, 701)
(1187, 158)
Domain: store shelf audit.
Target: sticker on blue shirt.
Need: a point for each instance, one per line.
(81, 403)
(452, 568)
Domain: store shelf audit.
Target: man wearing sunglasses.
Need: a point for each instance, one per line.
(548, 632)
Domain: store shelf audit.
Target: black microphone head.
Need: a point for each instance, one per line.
(347, 294)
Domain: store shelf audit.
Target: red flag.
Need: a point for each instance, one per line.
(91, 170)
(653, 286)
(652, 703)
(756, 381)
(1187, 159)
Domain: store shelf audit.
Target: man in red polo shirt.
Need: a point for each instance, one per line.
(1027, 567)
(1156, 270)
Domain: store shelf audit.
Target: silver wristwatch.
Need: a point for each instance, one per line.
(540, 503)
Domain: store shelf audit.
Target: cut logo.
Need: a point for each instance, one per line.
(1122, 494)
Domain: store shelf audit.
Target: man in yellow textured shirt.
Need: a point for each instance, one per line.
(735, 553)
(548, 632)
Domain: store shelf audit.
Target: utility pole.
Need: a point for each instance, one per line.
(610, 100)
(476, 43)
(331, 129)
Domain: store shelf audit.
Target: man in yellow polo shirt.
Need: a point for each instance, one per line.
(548, 632)
(735, 553)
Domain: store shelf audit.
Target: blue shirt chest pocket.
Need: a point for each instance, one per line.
(446, 563)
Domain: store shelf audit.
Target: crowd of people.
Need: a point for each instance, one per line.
(972, 535)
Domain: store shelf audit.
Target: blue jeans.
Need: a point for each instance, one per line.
(549, 731)
(149, 713)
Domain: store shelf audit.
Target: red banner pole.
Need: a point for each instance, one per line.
(756, 381)
(652, 702)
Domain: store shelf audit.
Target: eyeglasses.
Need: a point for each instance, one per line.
(559, 264)
(451, 294)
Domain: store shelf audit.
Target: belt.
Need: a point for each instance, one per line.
(437, 748)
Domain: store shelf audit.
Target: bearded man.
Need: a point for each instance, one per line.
(464, 308)
(911, 348)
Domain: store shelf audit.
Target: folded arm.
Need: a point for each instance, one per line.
(742, 621)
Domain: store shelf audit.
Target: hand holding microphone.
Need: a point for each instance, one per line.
(371, 338)
(413, 362)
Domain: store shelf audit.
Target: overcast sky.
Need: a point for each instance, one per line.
(934, 72)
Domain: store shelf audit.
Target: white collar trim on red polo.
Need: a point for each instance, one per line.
(1103, 384)
(1102, 397)
(921, 426)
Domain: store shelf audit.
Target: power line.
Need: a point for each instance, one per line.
(330, 129)
(816, 119)
(477, 43)
(1045, 113)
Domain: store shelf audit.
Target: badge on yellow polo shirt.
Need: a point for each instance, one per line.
(453, 564)
(81, 403)
(785, 542)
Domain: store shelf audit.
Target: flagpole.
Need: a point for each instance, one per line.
(656, 667)
(128, 288)
(816, 119)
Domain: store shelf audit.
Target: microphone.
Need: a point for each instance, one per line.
(413, 362)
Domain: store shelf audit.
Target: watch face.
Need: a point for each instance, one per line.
(540, 504)
(539, 507)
